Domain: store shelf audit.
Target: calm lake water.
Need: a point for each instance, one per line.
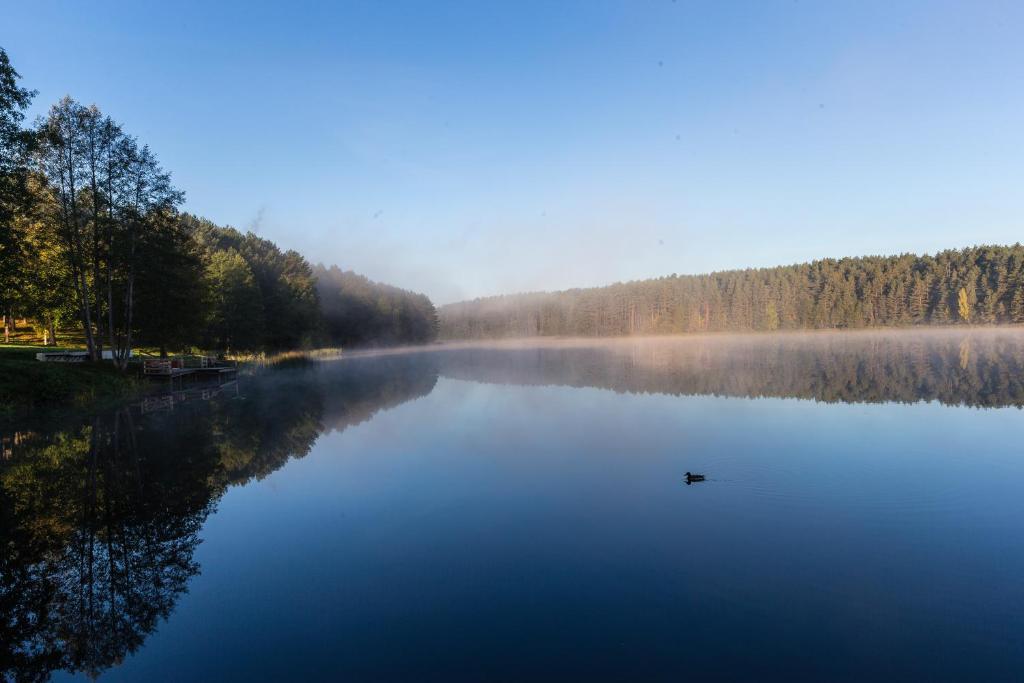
(506, 513)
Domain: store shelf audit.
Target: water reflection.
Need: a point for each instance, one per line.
(982, 368)
(98, 544)
(101, 516)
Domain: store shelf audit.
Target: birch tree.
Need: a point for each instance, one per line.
(61, 161)
(106, 191)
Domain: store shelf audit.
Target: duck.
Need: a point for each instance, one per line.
(691, 478)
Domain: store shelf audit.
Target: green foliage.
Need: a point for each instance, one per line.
(89, 231)
(102, 194)
(984, 283)
(14, 148)
(284, 310)
(172, 296)
(236, 309)
(290, 307)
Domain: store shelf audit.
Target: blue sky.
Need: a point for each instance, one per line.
(473, 148)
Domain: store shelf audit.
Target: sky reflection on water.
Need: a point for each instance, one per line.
(500, 514)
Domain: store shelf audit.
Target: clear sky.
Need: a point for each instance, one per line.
(473, 148)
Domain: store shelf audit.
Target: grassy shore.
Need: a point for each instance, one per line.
(26, 383)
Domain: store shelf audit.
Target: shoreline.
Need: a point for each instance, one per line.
(28, 386)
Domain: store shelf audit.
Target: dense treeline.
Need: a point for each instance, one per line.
(358, 311)
(978, 285)
(259, 296)
(91, 237)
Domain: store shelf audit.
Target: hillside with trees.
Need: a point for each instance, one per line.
(92, 239)
(979, 285)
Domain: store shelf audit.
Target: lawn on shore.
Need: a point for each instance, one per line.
(27, 383)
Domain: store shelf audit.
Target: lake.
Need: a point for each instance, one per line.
(508, 512)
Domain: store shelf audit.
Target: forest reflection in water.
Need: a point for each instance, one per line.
(101, 514)
(982, 367)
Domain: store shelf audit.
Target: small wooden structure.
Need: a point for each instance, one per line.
(163, 367)
(186, 365)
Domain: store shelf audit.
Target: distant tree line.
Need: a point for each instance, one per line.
(91, 236)
(981, 285)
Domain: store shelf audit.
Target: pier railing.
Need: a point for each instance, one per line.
(158, 366)
(180, 365)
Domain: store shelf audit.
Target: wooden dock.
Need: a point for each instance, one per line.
(172, 368)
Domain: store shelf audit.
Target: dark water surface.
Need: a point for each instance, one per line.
(520, 513)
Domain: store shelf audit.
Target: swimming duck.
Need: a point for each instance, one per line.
(691, 478)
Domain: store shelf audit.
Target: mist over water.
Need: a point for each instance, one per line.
(955, 366)
(519, 510)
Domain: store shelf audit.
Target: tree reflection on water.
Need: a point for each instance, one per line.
(101, 516)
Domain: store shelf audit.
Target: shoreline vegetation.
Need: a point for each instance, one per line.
(27, 385)
(95, 254)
